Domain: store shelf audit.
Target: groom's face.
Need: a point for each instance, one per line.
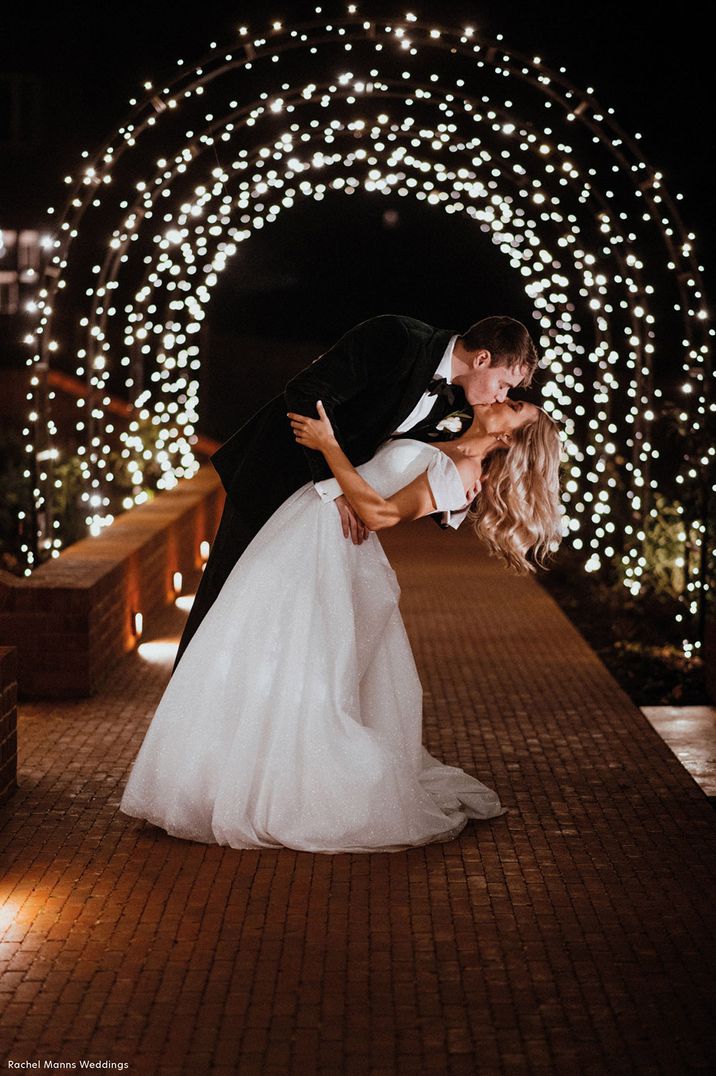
(487, 383)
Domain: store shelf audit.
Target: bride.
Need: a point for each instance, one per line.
(294, 718)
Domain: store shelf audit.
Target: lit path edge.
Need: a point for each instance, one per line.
(575, 933)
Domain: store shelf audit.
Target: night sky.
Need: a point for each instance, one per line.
(656, 73)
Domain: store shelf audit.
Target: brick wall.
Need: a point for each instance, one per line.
(73, 618)
(8, 722)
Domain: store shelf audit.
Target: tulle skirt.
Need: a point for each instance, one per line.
(294, 718)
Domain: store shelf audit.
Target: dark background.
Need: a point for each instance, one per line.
(84, 61)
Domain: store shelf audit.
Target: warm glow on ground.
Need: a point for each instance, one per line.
(158, 651)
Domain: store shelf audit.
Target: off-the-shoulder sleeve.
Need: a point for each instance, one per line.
(446, 483)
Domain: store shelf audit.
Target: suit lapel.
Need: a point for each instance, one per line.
(426, 363)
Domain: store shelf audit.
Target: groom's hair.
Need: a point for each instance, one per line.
(508, 342)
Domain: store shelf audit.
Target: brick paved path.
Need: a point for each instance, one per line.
(573, 935)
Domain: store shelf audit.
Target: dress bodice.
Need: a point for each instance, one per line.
(398, 462)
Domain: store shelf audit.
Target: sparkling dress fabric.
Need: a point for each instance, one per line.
(294, 718)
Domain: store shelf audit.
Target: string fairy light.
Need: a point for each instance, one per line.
(408, 109)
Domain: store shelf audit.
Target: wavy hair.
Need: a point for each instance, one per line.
(517, 513)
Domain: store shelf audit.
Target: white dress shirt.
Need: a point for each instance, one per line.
(328, 488)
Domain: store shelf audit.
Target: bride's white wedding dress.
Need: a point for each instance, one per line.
(294, 717)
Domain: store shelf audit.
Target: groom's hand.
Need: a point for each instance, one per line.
(352, 524)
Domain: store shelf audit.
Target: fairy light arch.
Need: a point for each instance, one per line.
(407, 108)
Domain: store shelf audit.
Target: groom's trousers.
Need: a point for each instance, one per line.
(232, 538)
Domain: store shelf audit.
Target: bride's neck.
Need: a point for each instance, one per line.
(475, 442)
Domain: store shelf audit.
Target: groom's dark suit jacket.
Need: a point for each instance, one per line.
(369, 381)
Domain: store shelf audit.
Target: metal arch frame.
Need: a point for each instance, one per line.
(168, 174)
(490, 49)
(511, 178)
(488, 53)
(136, 210)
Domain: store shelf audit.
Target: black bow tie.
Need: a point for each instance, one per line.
(449, 399)
(453, 394)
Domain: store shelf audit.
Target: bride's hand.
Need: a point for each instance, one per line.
(313, 432)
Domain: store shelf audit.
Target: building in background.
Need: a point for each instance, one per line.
(23, 153)
(20, 258)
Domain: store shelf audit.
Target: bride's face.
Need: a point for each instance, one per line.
(506, 417)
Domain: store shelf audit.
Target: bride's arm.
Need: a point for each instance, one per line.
(411, 502)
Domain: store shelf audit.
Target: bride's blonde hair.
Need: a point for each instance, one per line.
(517, 512)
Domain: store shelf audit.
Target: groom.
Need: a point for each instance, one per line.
(388, 376)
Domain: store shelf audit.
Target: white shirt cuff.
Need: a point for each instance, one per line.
(328, 489)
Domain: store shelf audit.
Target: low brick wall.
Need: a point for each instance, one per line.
(74, 617)
(8, 722)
